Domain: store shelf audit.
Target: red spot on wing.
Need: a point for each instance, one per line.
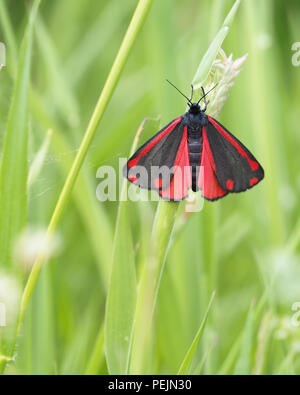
(132, 178)
(207, 179)
(229, 184)
(253, 164)
(182, 178)
(253, 181)
(133, 162)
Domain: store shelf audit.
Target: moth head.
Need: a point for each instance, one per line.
(194, 108)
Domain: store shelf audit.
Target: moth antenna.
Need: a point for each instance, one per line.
(189, 100)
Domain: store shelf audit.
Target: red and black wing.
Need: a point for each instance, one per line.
(231, 165)
(181, 182)
(167, 150)
(207, 179)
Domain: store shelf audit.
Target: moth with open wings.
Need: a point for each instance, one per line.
(196, 152)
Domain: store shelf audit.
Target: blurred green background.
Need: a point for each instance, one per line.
(245, 246)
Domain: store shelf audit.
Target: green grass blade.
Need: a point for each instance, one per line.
(76, 351)
(228, 365)
(199, 368)
(188, 359)
(264, 339)
(39, 159)
(57, 82)
(212, 52)
(97, 357)
(121, 300)
(13, 170)
(90, 47)
(244, 362)
(44, 353)
(254, 316)
(294, 239)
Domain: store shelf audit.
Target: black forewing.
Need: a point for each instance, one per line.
(159, 151)
(236, 168)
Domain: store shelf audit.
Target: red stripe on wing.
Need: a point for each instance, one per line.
(133, 162)
(207, 180)
(182, 178)
(253, 164)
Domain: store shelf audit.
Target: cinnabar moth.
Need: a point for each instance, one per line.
(199, 153)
